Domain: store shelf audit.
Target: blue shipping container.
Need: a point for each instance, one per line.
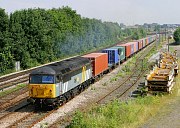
(121, 52)
(113, 57)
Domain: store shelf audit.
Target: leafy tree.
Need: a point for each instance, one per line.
(177, 36)
(138, 33)
(6, 58)
(157, 28)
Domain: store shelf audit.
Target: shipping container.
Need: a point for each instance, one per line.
(140, 44)
(127, 49)
(113, 57)
(132, 47)
(121, 52)
(152, 38)
(99, 62)
(149, 40)
(135, 46)
(144, 42)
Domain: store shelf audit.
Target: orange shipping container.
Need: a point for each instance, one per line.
(127, 49)
(135, 46)
(140, 44)
(99, 62)
(146, 41)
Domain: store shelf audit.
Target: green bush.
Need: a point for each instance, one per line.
(117, 114)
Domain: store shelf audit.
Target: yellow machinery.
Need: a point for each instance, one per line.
(168, 60)
(161, 78)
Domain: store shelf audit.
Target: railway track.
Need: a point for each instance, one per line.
(11, 115)
(30, 119)
(13, 99)
(21, 114)
(13, 82)
(24, 116)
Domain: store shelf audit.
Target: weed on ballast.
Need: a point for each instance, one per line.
(93, 88)
(104, 84)
(113, 79)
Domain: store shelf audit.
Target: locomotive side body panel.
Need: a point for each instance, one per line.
(75, 78)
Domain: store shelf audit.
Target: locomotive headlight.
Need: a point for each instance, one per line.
(31, 92)
(50, 91)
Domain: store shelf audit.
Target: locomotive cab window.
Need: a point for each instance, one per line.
(41, 79)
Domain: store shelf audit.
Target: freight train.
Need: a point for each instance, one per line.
(55, 84)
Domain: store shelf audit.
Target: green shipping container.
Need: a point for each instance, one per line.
(121, 52)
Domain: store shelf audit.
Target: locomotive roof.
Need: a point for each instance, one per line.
(62, 67)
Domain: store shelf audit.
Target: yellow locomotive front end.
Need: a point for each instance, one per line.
(42, 88)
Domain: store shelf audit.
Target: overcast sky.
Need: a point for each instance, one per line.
(129, 12)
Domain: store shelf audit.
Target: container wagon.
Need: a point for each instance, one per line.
(135, 46)
(113, 57)
(140, 44)
(121, 52)
(99, 62)
(129, 49)
(144, 42)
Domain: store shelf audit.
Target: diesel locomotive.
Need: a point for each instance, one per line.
(58, 82)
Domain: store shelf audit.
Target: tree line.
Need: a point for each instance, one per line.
(38, 36)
